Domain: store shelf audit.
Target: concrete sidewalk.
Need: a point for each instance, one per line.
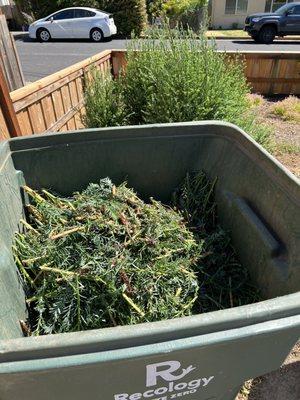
(19, 34)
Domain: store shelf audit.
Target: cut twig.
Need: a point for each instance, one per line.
(66, 233)
(34, 194)
(28, 226)
(133, 305)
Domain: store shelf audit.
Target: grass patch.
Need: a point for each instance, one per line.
(287, 109)
(227, 33)
(261, 132)
(255, 100)
(287, 148)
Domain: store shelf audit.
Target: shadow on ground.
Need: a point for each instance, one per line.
(252, 42)
(283, 384)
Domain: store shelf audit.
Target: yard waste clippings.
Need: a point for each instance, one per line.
(104, 257)
(223, 281)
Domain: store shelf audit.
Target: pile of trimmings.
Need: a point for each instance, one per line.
(104, 258)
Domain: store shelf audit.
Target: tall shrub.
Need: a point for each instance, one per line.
(130, 15)
(176, 77)
(187, 13)
(180, 78)
(105, 94)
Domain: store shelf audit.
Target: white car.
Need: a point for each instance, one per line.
(75, 22)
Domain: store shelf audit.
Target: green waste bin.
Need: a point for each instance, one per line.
(201, 357)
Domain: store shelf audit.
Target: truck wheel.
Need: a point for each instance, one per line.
(267, 34)
(255, 38)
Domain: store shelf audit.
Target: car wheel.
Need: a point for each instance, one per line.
(43, 35)
(267, 34)
(96, 35)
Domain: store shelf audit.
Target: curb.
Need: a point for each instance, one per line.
(291, 38)
(18, 35)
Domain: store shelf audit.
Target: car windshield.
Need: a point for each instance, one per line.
(282, 10)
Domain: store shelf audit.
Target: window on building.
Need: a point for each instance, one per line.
(273, 5)
(236, 6)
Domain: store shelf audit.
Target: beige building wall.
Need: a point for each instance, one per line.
(220, 19)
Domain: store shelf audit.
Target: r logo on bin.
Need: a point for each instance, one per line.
(165, 370)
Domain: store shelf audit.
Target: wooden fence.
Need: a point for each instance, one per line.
(273, 73)
(269, 73)
(55, 103)
(9, 59)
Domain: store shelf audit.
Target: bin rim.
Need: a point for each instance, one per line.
(149, 350)
(106, 339)
(227, 130)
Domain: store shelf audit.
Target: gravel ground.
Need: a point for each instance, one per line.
(286, 136)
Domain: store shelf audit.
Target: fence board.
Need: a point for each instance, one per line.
(9, 59)
(48, 109)
(73, 93)
(58, 104)
(55, 103)
(37, 118)
(4, 134)
(24, 122)
(272, 73)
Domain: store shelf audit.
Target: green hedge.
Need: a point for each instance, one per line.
(130, 15)
(173, 8)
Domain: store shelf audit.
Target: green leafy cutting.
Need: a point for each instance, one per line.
(104, 257)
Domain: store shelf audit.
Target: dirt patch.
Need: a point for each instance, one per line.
(291, 161)
(286, 134)
(283, 384)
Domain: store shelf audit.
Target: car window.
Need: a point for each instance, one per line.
(84, 13)
(295, 10)
(66, 14)
(282, 10)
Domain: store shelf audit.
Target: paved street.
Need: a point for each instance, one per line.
(41, 59)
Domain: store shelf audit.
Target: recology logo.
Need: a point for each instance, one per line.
(170, 372)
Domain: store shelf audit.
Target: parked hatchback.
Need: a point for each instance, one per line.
(264, 27)
(75, 22)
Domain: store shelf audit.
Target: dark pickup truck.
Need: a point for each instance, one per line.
(263, 28)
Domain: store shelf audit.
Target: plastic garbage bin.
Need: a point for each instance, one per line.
(201, 357)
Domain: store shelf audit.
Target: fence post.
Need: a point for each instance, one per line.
(118, 61)
(7, 108)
